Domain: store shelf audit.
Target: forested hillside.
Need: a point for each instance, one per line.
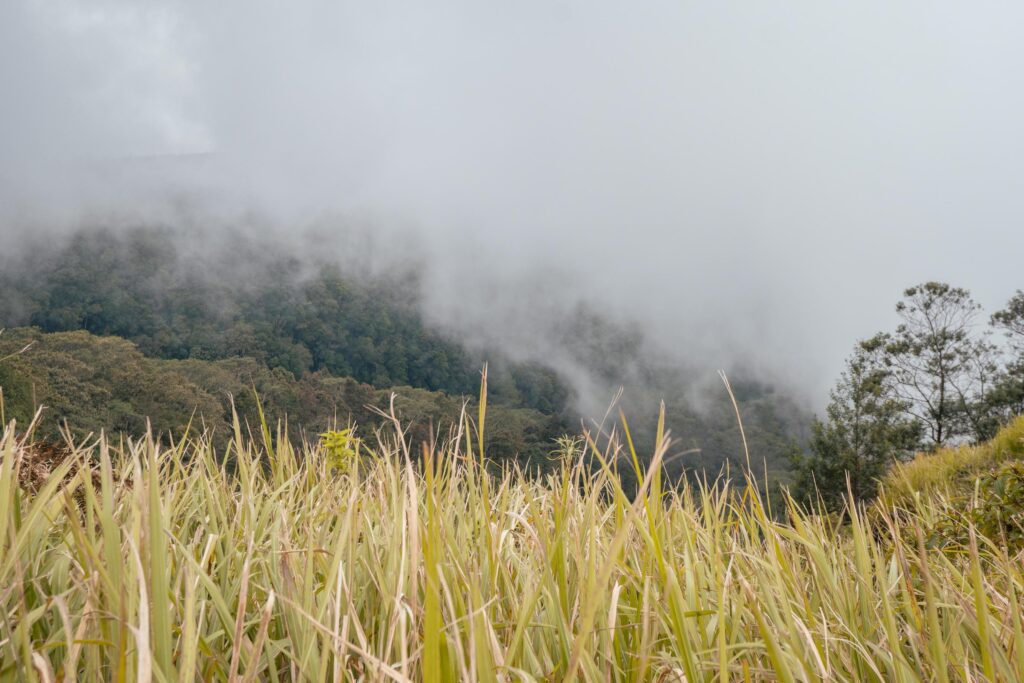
(247, 300)
(317, 338)
(95, 383)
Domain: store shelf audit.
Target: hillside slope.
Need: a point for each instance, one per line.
(979, 486)
(94, 383)
(178, 296)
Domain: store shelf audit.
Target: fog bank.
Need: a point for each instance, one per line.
(748, 184)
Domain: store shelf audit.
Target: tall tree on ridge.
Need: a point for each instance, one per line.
(934, 358)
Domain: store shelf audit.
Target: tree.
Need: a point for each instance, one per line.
(938, 367)
(1011, 321)
(1006, 399)
(980, 409)
(866, 429)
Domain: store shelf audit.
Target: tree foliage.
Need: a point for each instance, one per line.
(1007, 396)
(936, 380)
(938, 364)
(1011, 321)
(90, 384)
(142, 286)
(866, 429)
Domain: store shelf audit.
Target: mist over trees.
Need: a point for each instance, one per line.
(937, 379)
(310, 332)
(304, 324)
(140, 284)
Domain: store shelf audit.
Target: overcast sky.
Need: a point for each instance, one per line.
(749, 180)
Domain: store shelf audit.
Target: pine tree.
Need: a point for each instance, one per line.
(866, 429)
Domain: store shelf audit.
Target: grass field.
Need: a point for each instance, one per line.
(141, 561)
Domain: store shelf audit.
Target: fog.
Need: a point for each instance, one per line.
(749, 183)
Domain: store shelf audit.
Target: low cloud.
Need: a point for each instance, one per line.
(748, 185)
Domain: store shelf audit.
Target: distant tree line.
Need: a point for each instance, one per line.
(942, 377)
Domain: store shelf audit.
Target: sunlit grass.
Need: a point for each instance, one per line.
(140, 560)
(955, 467)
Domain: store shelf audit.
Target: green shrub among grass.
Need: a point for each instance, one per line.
(999, 511)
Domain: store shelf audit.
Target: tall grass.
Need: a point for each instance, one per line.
(141, 561)
(954, 468)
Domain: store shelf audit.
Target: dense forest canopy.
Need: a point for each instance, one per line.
(96, 383)
(298, 329)
(141, 286)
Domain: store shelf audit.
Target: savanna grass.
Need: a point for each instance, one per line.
(143, 561)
